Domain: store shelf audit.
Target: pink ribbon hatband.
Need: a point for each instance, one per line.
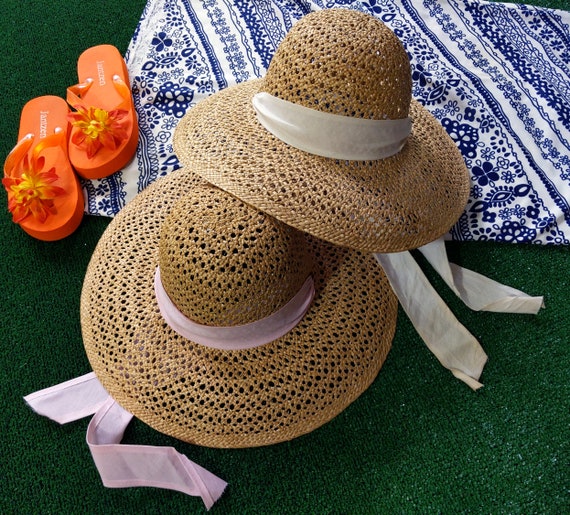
(236, 337)
(119, 465)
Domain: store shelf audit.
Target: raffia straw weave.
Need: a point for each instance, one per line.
(235, 265)
(342, 62)
(225, 262)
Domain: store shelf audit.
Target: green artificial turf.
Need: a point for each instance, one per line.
(418, 441)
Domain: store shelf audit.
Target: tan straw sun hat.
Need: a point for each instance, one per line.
(219, 325)
(324, 142)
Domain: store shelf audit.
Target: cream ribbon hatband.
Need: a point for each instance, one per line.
(330, 135)
(454, 346)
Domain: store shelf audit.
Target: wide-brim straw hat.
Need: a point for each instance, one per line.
(349, 64)
(223, 263)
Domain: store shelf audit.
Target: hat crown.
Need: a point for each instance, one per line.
(224, 263)
(342, 62)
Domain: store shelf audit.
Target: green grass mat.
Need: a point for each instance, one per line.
(418, 441)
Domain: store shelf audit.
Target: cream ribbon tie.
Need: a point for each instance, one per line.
(347, 138)
(477, 291)
(453, 345)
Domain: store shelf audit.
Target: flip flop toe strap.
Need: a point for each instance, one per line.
(95, 127)
(77, 91)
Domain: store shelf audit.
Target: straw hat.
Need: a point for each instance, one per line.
(349, 67)
(225, 266)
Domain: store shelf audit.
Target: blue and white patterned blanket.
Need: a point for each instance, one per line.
(497, 76)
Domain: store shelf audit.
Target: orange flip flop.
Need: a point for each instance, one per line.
(44, 194)
(104, 133)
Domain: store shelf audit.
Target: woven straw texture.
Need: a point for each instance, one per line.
(234, 265)
(347, 63)
(219, 398)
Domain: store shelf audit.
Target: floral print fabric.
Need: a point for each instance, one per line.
(496, 76)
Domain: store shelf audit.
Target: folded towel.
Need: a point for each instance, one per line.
(497, 77)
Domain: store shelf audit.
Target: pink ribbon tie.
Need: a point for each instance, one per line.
(120, 465)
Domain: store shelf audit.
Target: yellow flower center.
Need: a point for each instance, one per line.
(96, 122)
(31, 192)
(99, 128)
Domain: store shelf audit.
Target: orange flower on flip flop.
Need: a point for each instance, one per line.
(31, 192)
(99, 128)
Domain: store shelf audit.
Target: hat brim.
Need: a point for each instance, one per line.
(217, 398)
(388, 205)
